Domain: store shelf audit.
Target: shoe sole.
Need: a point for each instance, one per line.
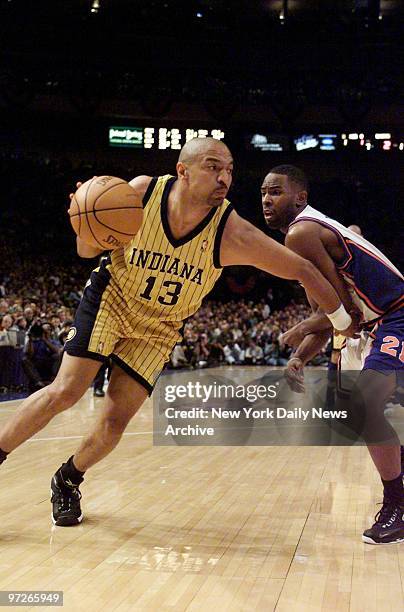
(78, 520)
(370, 541)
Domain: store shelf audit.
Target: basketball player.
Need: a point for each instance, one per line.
(354, 267)
(135, 302)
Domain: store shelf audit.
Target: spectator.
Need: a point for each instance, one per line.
(64, 332)
(202, 351)
(56, 326)
(277, 355)
(233, 353)
(19, 328)
(254, 354)
(99, 380)
(216, 354)
(4, 307)
(42, 356)
(7, 336)
(29, 315)
(178, 358)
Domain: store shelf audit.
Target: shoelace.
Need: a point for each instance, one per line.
(65, 498)
(387, 512)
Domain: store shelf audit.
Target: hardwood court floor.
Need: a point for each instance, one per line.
(197, 528)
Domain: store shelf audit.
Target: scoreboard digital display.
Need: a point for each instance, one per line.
(378, 141)
(324, 142)
(162, 138)
(131, 137)
(171, 138)
(328, 142)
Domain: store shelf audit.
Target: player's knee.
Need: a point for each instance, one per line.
(62, 395)
(114, 426)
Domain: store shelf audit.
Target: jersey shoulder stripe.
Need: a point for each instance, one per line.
(149, 191)
(219, 235)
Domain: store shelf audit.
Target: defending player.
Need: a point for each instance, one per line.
(363, 275)
(135, 302)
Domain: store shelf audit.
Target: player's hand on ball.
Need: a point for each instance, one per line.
(71, 195)
(105, 212)
(78, 185)
(294, 375)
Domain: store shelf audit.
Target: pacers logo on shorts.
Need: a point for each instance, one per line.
(71, 334)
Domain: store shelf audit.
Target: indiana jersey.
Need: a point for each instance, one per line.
(162, 280)
(375, 284)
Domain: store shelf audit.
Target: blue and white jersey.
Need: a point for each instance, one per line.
(375, 284)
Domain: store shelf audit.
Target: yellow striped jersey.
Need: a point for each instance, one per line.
(163, 280)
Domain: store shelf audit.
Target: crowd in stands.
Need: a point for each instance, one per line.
(37, 305)
(238, 333)
(36, 314)
(32, 335)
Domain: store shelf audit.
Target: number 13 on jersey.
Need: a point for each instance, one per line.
(171, 296)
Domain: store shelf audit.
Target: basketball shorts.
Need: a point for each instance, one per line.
(337, 341)
(382, 349)
(104, 328)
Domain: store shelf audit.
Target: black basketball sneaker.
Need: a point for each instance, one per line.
(66, 510)
(389, 524)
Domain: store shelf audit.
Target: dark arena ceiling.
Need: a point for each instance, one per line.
(122, 29)
(313, 49)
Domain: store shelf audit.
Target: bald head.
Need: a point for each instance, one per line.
(205, 171)
(196, 148)
(356, 229)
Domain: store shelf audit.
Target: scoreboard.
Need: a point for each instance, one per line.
(174, 138)
(382, 141)
(157, 137)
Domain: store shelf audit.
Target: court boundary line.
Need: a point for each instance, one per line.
(126, 433)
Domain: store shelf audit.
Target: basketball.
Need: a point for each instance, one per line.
(105, 212)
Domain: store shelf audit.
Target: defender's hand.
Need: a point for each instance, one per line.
(294, 375)
(353, 331)
(294, 336)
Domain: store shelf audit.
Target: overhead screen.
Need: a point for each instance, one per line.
(172, 138)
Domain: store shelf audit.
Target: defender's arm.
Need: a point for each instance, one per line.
(244, 244)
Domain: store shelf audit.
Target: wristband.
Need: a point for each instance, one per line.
(340, 319)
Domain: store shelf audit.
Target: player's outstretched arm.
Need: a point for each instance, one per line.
(312, 345)
(315, 323)
(244, 244)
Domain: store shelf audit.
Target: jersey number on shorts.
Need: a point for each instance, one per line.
(171, 296)
(390, 346)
